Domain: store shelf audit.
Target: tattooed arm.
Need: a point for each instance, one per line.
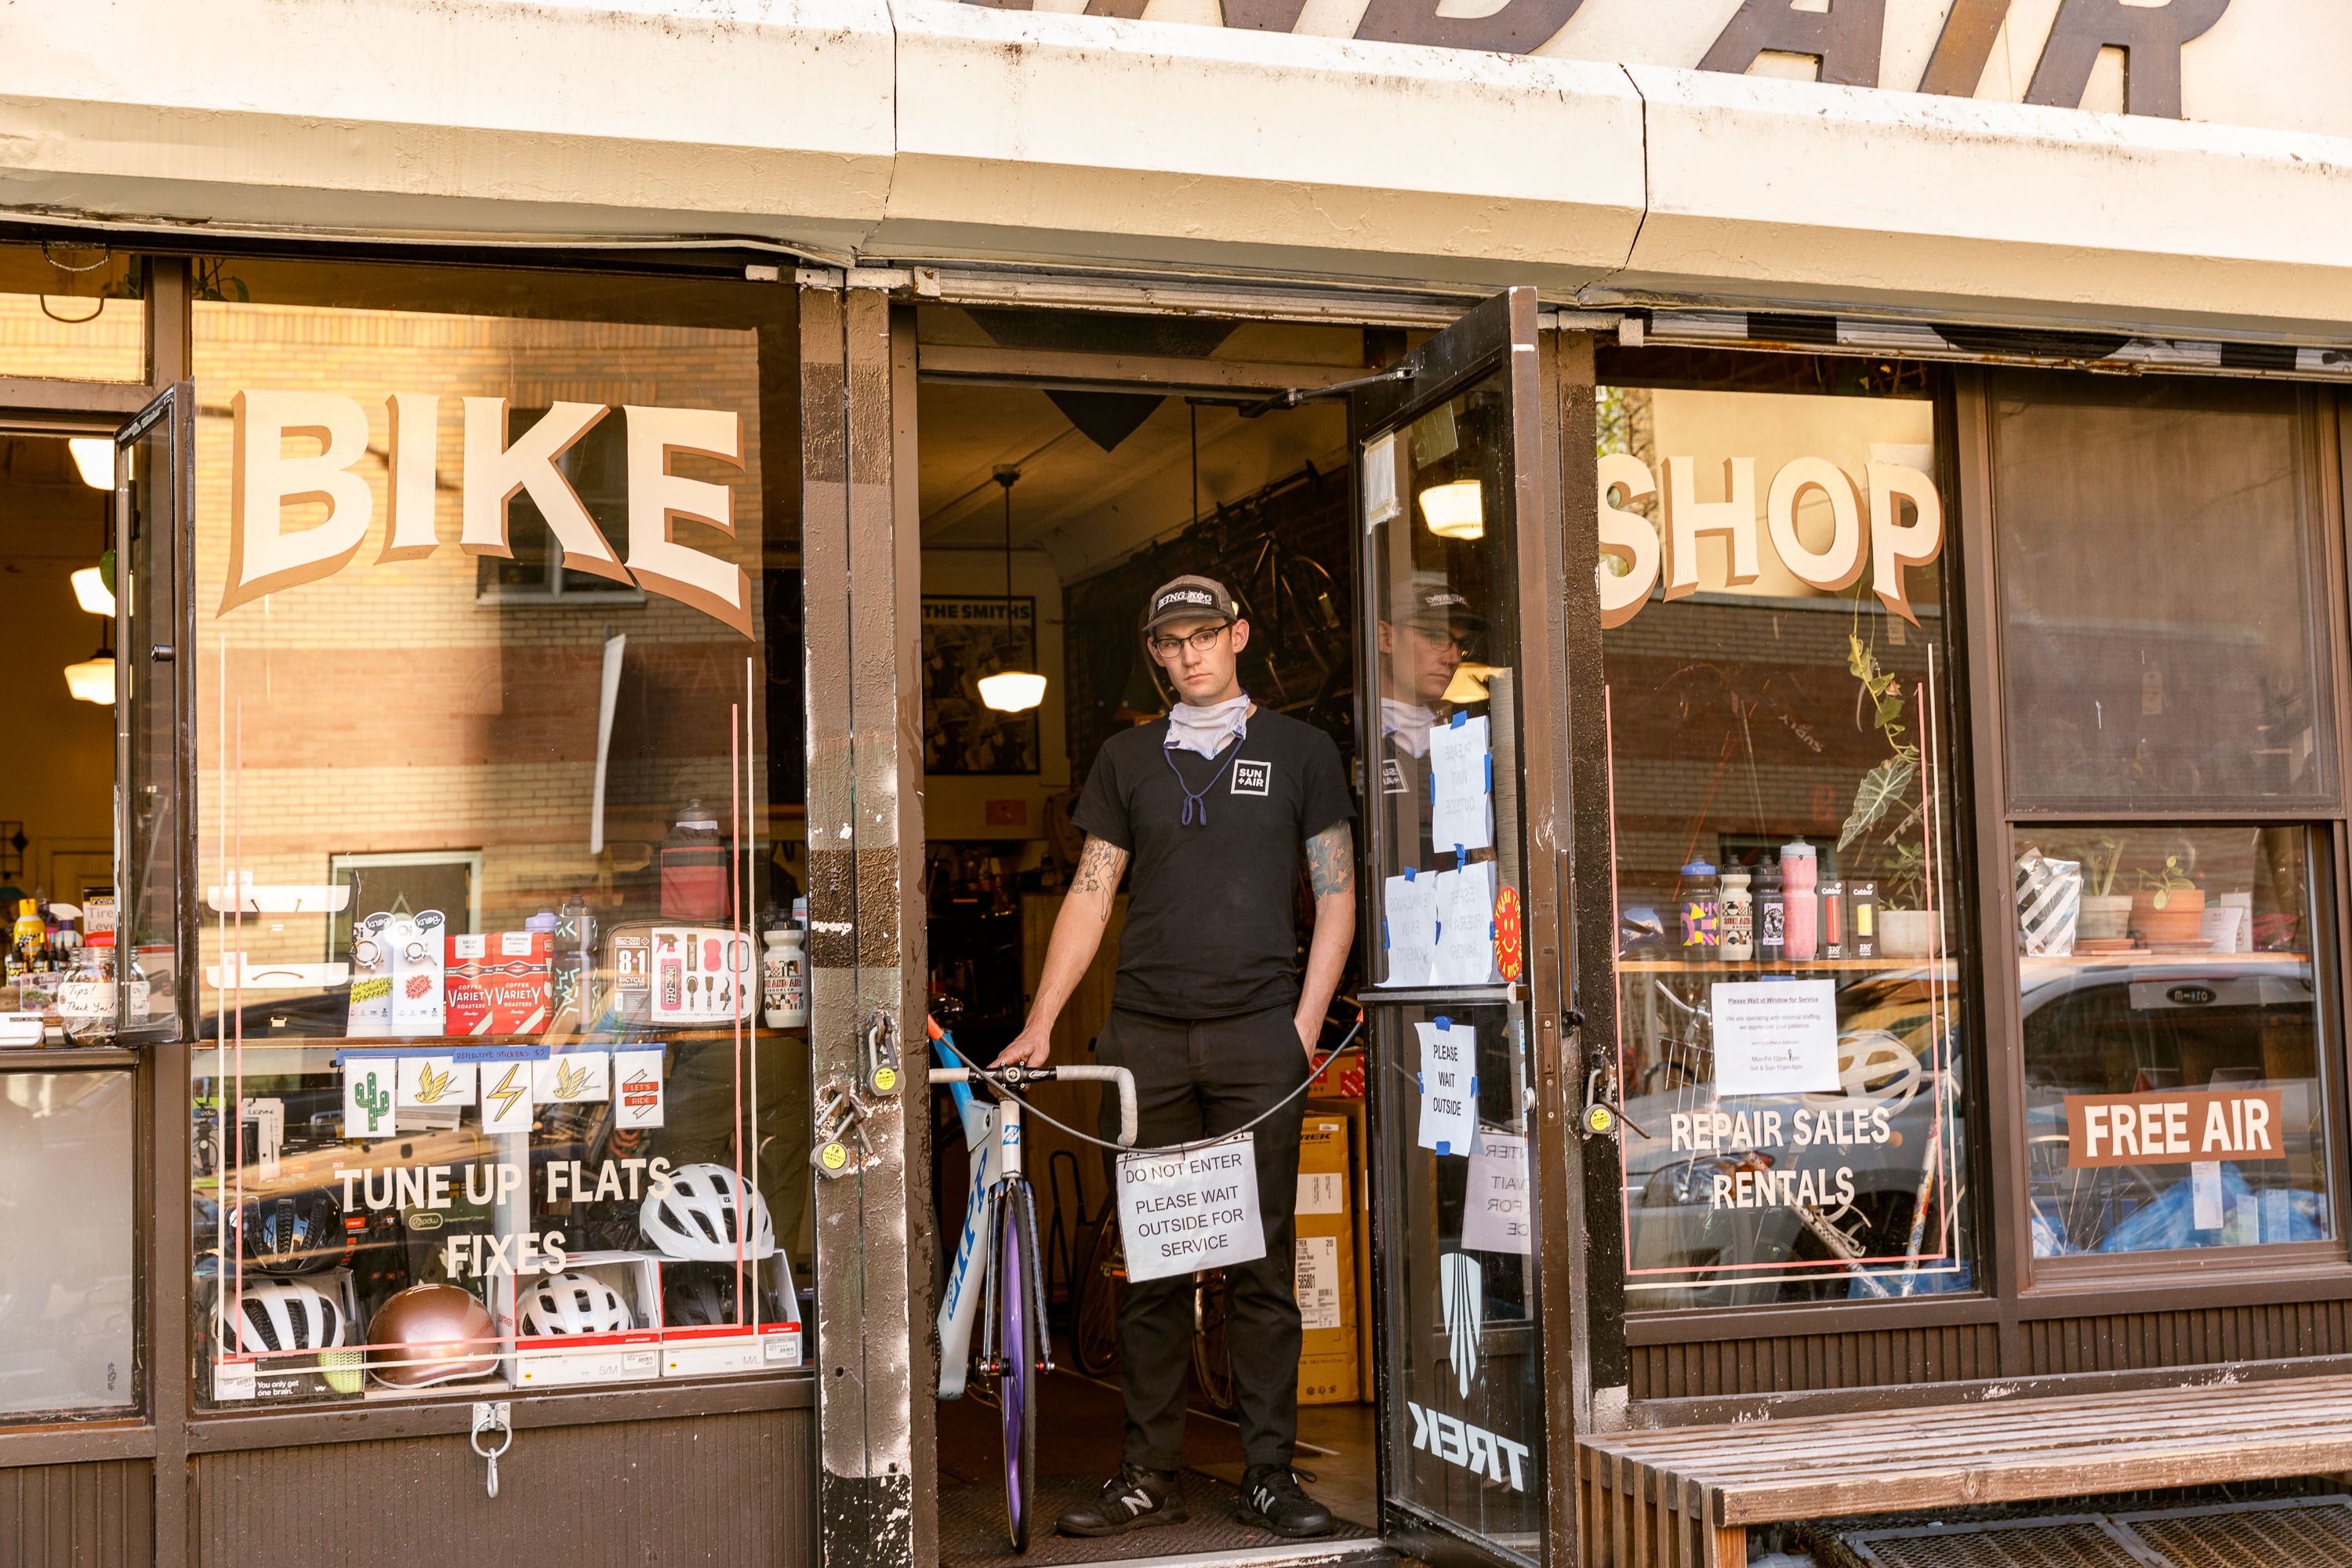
(1331, 872)
(1077, 932)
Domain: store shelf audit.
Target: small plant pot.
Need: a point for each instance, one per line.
(2182, 919)
(1905, 933)
(2106, 916)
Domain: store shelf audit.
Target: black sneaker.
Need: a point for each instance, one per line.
(1271, 1499)
(1135, 1498)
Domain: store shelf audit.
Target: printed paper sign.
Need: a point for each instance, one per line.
(2183, 1127)
(637, 1097)
(367, 1098)
(1775, 1037)
(1496, 1215)
(1461, 788)
(1379, 482)
(1409, 908)
(507, 1102)
(1466, 925)
(1318, 1282)
(573, 1078)
(2205, 1194)
(1322, 1192)
(1190, 1208)
(1449, 1086)
(435, 1081)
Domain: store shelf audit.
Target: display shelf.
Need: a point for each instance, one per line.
(1810, 966)
(2146, 959)
(208, 1044)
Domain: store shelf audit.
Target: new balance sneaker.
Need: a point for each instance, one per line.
(1272, 1499)
(1135, 1498)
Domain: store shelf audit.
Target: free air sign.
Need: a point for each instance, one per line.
(2178, 1127)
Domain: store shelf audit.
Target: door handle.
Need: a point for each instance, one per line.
(162, 652)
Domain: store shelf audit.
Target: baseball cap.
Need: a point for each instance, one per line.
(1187, 598)
(1434, 601)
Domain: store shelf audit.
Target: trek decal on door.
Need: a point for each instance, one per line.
(265, 557)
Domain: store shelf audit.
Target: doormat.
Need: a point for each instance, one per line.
(972, 1527)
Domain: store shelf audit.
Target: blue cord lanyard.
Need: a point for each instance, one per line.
(1194, 801)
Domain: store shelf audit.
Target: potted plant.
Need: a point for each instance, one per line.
(2169, 906)
(2107, 914)
(1905, 929)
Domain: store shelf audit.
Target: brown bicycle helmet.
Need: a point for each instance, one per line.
(431, 1333)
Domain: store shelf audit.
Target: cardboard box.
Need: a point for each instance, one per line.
(1330, 1364)
(498, 983)
(1360, 1164)
(559, 1361)
(741, 1347)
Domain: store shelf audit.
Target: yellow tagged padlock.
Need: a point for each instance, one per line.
(885, 1080)
(833, 1157)
(1599, 1119)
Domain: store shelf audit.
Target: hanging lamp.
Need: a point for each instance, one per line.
(1010, 689)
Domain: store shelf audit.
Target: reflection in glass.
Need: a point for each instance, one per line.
(73, 312)
(66, 1293)
(1790, 1021)
(2175, 1095)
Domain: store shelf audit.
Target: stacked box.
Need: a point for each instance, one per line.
(1330, 1370)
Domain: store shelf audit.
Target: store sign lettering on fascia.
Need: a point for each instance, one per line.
(1846, 40)
(1873, 530)
(265, 557)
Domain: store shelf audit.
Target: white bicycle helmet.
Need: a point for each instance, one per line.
(695, 1218)
(286, 1315)
(572, 1304)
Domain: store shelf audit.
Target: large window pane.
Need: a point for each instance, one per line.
(2175, 1080)
(74, 312)
(490, 856)
(1779, 671)
(2160, 590)
(67, 1293)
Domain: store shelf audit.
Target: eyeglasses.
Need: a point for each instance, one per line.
(1203, 641)
(1460, 642)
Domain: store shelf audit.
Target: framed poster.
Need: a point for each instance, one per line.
(965, 637)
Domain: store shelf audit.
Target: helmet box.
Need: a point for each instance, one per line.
(285, 1337)
(598, 1320)
(704, 1331)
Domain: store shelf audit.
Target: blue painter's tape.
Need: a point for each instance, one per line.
(1461, 717)
(1444, 1022)
(1461, 856)
(1416, 1084)
(1410, 873)
(1443, 1147)
(1473, 1086)
(461, 1053)
(1490, 772)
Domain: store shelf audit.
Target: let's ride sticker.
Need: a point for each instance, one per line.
(1182, 1210)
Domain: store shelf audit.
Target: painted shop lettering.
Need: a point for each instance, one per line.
(264, 557)
(1464, 1447)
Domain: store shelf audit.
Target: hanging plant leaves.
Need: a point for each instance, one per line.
(1880, 788)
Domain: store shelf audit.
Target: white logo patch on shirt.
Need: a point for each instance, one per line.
(1252, 778)
(1392, 777)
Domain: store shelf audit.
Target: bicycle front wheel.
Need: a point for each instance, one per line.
(1018, 1342)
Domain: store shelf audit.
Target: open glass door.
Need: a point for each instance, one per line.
(152, 468)
(1448, 463)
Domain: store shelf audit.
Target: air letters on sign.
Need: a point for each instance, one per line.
(1189, 1209)
(2180, 1128)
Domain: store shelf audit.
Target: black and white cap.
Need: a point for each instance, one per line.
(1433, 603)
(1188, 598)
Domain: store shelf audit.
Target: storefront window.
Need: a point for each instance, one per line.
(68, 1291)
(493, 1087)
(1779, 669)
(72, 313)
(2175, 1095)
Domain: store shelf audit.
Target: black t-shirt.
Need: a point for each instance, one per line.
(1212, 931)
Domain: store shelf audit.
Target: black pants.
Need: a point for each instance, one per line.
(1196, 1079)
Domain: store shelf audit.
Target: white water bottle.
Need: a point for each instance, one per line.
(783, 978)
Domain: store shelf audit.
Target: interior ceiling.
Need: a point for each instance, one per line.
(45, 511)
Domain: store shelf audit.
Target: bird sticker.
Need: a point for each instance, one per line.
(573, 1078)
(436, 1082)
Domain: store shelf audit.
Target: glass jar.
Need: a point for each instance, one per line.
(87, 1000)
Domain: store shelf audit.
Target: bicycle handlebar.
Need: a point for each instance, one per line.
(1013, 1078)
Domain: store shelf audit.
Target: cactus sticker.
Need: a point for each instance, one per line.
(367, 1098)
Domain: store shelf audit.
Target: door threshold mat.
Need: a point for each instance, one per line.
(972, 1530)
(2305, 1531)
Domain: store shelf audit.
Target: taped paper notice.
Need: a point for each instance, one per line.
(1461, 786)
(1190, 1209)
(573, 1078)
(1449, 1086)
(637, 1097)
(1379, 482)
(1466, 925)
(1409, 913)
(1318, 1282)
(1495, 1217)
(435, 1081)
(508, 1105)
(2205, 1194)
(1775, 1037)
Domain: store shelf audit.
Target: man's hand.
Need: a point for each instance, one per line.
(1029, 1049)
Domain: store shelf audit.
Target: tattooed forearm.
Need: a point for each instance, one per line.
(1331, 860)
(1100, 866)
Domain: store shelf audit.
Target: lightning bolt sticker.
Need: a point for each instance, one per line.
(506, 1103)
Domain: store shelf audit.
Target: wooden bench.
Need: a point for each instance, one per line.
(1684, 1497)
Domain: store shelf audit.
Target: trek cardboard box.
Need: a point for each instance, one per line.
(1360, 1163)
(1328, 1369)
(561, 1361)
(498, 983)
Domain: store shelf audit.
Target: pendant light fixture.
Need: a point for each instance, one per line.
(1010, 689)
(1454, 511)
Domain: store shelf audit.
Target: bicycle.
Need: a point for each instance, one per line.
(998, 1275)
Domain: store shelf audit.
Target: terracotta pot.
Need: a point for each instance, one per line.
(1905, 933)
(2182, 919)
(2106, 916)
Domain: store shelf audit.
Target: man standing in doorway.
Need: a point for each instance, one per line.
(1215, 805)
(1420, 654)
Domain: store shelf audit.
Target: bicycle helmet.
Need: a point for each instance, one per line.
(694, 1218)
(293, 1233)
(698, 1296)
(285, 1315)
(432, 1333)
(571, 1304)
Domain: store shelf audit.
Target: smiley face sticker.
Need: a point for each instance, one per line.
(1510, 943)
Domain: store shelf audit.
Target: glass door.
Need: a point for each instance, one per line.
(1448, 453)
(154, 455)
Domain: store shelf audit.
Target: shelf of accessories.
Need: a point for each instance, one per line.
(1809, 966)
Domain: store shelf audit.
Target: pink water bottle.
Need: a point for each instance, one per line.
(1798, 869)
